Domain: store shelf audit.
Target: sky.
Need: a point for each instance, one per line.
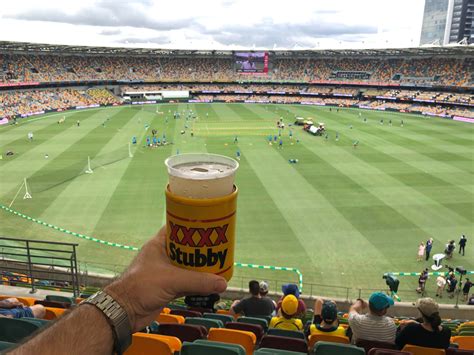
(215, 24)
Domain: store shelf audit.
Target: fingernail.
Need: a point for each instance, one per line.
(220, 285)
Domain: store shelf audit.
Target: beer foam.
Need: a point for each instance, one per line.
(203, 170)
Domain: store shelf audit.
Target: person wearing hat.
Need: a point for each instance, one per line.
(375, 325)
(288, 320)
(255, 305)
(292, 289)
(325, 319)
(428, 332)
(264, 292)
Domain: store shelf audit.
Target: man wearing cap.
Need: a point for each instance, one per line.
(429, 333)
(264, 293)
(292, 289)
(288, 320)
(254, 305)
(325, 319)
(374, 325)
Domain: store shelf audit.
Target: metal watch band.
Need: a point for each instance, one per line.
(117, 318)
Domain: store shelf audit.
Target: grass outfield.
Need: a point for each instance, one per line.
(343, 216)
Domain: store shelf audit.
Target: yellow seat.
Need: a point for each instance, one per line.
(53, 313)
(420, 350)
(313, 339)
(170, 318)
(144, 344)
(464, 342)
(234, 336)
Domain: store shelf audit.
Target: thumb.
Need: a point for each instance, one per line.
(197, 283)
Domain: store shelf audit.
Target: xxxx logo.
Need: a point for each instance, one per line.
(198, 237)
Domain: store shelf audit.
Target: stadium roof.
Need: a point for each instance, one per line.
(39, 48)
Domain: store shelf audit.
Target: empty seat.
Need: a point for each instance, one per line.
(421, 350)
(56, 298)
(286, 333)
(254, 328)
(464, 342)
(327, 348)
(14, 330)
(185, 313)
(313, 339)
(143, 343)
(454, 351)
(232, 336)
(53, 313)
(208, 323)
(382, 351)
(268, 351)
(184, 332)
(204, 347)
(169, 318)
(201, 310)
(284, 343)
(369, 344)
(223, 317)
(254, 320)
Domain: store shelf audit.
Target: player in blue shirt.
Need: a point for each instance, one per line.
(154, 141)
(237, 154)
(147, 141)
(280, 144)
(134, 140)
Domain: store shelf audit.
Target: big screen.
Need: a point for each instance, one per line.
(251, 62)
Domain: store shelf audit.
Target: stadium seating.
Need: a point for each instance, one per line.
(464, 342)
(284, 343)
(240, 337)
(185, 313)
(369, 344)
(254, 320)
(257, 329)
(268, 351)
(14, 330)
(184, 332)
(5, 345)
(315, 338)
(62, 299)
(153, 344)
(53, 313)
(204, 347)
(420, 350)
(222, 317)
(380, 351)
(327, 348)
(170, 318)
(207, 322)
(286, 333)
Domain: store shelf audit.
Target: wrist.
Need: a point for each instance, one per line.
(119, 293)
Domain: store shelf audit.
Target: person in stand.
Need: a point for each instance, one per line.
(325, 319)
(12, 308)
(429, 246)
(421, 252)
(255, 305)
(462, 244)
(429, 332)
(137, 297)
(289, 311)
(466, 288)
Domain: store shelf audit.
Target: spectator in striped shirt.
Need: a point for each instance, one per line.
(374, 325)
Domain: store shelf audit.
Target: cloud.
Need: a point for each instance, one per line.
(142, 40)
(110, 13)
(111, 32)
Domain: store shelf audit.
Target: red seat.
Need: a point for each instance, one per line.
(254, 328)
(380, 351)
(185, 313)
(369, 344)
(184, 332)
(284, 343)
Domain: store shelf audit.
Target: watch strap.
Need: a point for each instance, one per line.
(117, 318)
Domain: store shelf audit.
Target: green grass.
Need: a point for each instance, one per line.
(343, 216)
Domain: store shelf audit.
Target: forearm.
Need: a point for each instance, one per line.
(83, 331)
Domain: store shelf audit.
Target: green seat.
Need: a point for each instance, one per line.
(14, 330)
(38, 321)
(222, 317)
(466, 332)
(286, 333)
(267, 351)
(327, 348)
(56, 298)
(253, 320)
(206, 347)
(207, 322)
(5, 345)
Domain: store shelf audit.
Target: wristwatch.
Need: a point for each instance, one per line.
(116, 317)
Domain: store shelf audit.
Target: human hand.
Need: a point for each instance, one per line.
(151, 281)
